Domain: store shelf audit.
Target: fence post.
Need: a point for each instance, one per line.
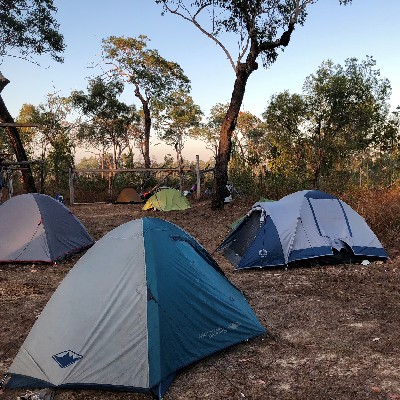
(71, 186)
(198, 192)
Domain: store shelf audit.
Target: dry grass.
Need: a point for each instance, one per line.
(381, 209)
(334, 331)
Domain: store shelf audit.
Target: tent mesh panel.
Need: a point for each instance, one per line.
(246, 233)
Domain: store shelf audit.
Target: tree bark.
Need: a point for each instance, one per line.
(179, 159)
(147, 127)
(225, 138)
(243, 71)
(15, 140)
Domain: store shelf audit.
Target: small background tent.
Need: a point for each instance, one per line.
(128, 195)
(37, 228)
(306, 225)
(167, 200)
(143, 302)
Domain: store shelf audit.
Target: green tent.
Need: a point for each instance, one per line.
(167, 200)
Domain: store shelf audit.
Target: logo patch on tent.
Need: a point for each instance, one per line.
(234, 325)
(263, 253)
(66, 358)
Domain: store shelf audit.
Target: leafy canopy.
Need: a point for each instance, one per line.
(110, 122)
(343, 110)
(261, 26)
(153, 76)
(28, 27)
(180, 116)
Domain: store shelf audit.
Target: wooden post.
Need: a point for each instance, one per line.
(198, 192)
(71, 186)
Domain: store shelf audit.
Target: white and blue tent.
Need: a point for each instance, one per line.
(145, 301)
(38, 228)
(309, 225)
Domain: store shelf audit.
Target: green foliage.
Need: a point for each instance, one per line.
(342, 112)
(28, 114)
(88, 163)
(51, 141)
(180, 116)
(29, 27)
(208, 131)
(248, 144)
(5, 146)
(91, 188)
(110, 124)
(154, 77)
(262, 27)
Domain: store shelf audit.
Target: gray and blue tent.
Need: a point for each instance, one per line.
(145, 301)
(306, 226)
(37, 228)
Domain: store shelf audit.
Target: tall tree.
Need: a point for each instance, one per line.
(209, 130)
(284, 116)
(248, 139)
(263, 27)
(51, 140)
(154, 78)
(110, 123)
(175, 124)
(342, 111)
(27, 28)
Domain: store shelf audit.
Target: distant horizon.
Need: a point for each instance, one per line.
(159, 150)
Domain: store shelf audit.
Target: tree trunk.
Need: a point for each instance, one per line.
(179, 159)
(225, 138)
(147, 127)
(15, 140)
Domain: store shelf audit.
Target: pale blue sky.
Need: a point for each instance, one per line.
(366, 27)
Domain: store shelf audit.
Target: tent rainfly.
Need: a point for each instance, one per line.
(167, 200)
(305, 226)
(128, 195)
(38, 228)
(145, 301)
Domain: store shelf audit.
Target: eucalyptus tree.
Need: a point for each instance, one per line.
(208, 131)
(341, 112)
(153, 77)
(28, 28)
(51, 138)
(176, 123)
(249, 139)
(262, 28)
(387, 146)
(109, 123)
(284, 116)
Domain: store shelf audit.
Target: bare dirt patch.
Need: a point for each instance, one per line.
(334, 331)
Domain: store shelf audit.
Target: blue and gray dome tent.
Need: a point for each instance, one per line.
(309, 225)
(37, 228)
(145, 301)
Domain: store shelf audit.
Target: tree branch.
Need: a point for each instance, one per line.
(192, 19)
(3, 82)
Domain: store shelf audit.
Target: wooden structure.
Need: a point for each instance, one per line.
(6, 170)
(17, 125)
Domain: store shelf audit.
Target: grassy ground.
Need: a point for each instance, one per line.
(334, 331)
